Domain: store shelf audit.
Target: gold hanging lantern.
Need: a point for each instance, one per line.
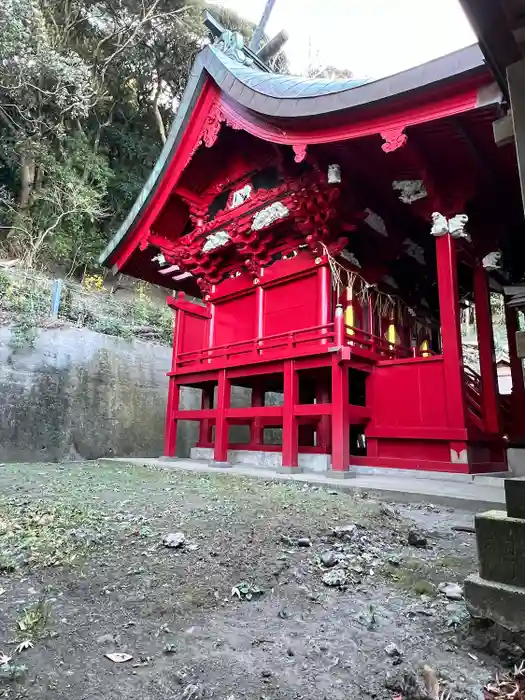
(349, 310)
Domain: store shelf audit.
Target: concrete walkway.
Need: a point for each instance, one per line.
(472, 493)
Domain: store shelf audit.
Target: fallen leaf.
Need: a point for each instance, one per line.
(2, 591)
(4, 660)
(118, 657)
(27, 644)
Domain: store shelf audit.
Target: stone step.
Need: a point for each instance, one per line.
(501, 547)
(515, 497)
(494, 601)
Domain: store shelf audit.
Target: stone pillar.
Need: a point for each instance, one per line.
(497, 593)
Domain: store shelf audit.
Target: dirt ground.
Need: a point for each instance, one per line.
(84, 572)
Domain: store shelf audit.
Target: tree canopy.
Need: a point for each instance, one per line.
(87, 94)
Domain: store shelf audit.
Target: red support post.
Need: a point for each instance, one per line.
(322, 395)
(290, 455)
(516, 369)
(221, 423)
(205, 427)
(170, 435)
(340, 418)
(487, 355)
(256, 429)
(370, 322)
(451, 329)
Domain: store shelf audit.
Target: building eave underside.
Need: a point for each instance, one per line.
(495, 23)
(273, 96)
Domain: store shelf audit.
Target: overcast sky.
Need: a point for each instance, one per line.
(373, 38)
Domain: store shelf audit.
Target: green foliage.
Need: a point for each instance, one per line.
(86, 97)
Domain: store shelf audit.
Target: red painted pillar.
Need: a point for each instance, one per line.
(487, 355)
(205, 427)
(516, 369)
(340, 418)
(322, 395)
(451, 329)
(370, 321)
(170, 436)
(256, 429)
(290, 459)
(325, 298)
(221, 424)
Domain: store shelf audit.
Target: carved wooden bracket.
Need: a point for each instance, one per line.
(300, 152)
(394, 139)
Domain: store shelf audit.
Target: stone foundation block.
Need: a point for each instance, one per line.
(496, 601)
(501, 548)
(515, 497)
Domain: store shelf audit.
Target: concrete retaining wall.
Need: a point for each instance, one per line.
(81, 394)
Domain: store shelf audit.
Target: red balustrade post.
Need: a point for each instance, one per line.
(170, 435)
(340, 419)
(290, 454)
(487, 354)
(451, 329)
(516, 369)
(221, 423)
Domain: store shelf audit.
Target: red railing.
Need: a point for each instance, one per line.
(358, 338)
(473, 396)
(259, 346)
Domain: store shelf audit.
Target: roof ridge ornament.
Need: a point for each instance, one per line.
(232, 45)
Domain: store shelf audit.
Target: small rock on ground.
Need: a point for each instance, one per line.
(174, 540)
(329, 558)
(334, 577)
(304, 542)
(416, 538)
(452, 591)
(392, 650)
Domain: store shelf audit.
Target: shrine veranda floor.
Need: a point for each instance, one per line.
(84, 572)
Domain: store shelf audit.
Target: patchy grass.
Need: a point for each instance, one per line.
(85, 573)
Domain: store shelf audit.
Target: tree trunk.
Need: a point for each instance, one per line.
(156, 111)
(27, 181)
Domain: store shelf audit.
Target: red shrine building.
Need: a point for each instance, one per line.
(319, 239)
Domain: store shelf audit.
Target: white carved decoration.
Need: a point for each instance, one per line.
(182, 276)
(411, 311)
(455, 226)
(240, 196)
(391, 281)
(268, 215)
(439, 224)
(375, 222)
(411, 190)
(492, 261)
(159, 258)
(169, 270)
(334, 174)
(215, 240)
(414, 250)
(350, 257)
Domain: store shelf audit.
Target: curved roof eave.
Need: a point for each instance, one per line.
(273, 95)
